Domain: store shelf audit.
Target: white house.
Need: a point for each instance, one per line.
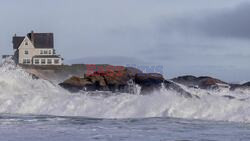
(36, 49)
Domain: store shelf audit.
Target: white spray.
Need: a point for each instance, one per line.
(20, 94)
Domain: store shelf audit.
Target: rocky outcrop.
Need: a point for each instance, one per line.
(240, 86)
(209, 83)
(246, 85)
(187, 80)
(117, 81)
(102, 81)
(76, 77)
(203, 82)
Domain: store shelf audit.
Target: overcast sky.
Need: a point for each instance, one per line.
(198, 37)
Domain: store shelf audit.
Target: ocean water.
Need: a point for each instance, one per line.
(40, 110)
(44, 128)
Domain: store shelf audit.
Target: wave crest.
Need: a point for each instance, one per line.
(20, 94)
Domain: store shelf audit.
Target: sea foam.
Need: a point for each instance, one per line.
(21, 94)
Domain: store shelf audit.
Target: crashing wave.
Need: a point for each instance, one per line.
(20, 94)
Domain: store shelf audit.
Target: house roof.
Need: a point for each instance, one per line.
(17, 40)
(46, 56)
(41, 40)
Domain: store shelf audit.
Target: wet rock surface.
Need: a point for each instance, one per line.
(203, 82)
(117, 81)
(240, 86)
(174, 87)
(149, 82)
(76, 78)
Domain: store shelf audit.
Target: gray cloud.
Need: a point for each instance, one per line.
(230, 23)
(187, 37)
(224, 23)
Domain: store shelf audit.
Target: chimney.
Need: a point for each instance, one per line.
(13, 38)
(32, 36)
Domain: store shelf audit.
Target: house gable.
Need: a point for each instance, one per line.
(26, 44)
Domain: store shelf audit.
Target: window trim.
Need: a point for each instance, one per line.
(43, 61)
(26, 61)
(56, 61)
(36, 61)
(49, 61)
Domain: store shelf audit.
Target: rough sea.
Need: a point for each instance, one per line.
(39, 110)
(54, 128)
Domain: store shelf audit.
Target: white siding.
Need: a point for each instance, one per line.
(26, 45)
(27, 51)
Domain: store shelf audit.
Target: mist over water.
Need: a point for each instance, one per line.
(20, 94)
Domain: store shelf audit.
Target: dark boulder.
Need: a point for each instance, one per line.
(132, 72)
(209, 83)
(149, 82)
(239, 86)
(174, 87)
(203, 82)
(187, 80)
(246, 84)
(75, 84)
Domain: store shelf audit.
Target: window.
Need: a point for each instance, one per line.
(49, 51)
(45, 51)
(49, 61)
(37, 61)
(41, 51)
(26, 61)
(43, 61)
(26, 43)
(56, 61)
(26, 52)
